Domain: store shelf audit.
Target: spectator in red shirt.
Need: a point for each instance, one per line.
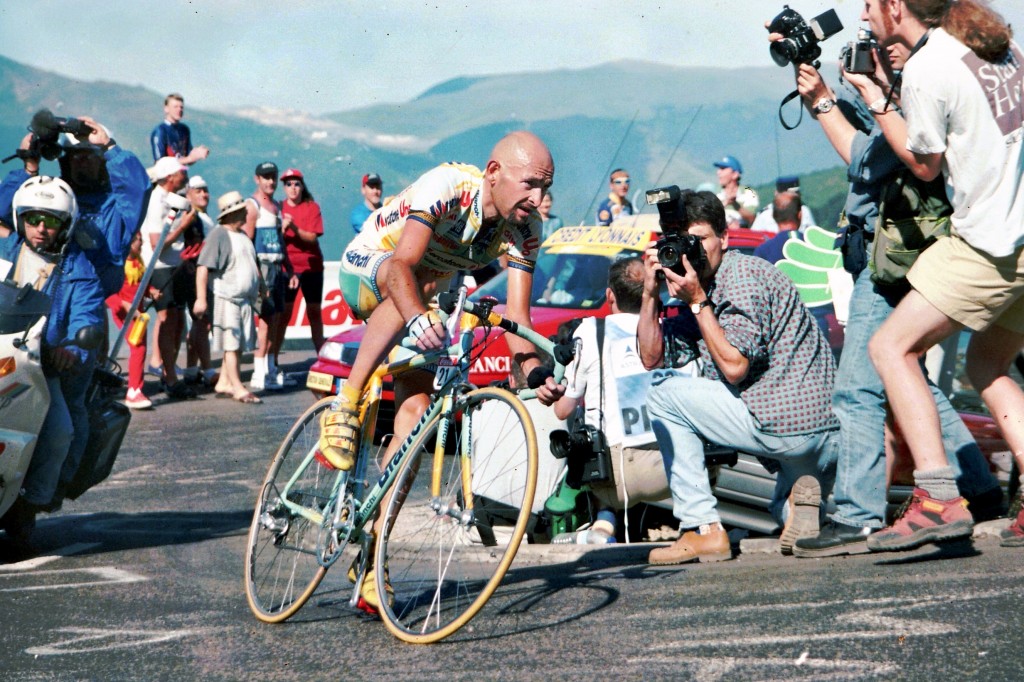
(303, 224)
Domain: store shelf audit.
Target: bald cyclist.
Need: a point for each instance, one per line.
(454, 217)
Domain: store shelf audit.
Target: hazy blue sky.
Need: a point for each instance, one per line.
(320, 56)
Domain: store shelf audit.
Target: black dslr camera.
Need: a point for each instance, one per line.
(675, 242)
(859, 56)
(586, 452)
(799, 44)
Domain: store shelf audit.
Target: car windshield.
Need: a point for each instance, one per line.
(560, 280)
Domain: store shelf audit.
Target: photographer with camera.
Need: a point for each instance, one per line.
(965, 119)
(610, 446)
(859, 401)
(110, 186)
(766, 371)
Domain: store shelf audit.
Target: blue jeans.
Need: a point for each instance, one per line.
(859, 403)
(51, 450)
(686, 411)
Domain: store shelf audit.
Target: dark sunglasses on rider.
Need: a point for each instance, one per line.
(50, 222)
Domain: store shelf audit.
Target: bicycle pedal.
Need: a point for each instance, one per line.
(366, 608)
(318, 456)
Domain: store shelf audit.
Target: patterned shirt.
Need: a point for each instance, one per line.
(788, 387)
(447, 200)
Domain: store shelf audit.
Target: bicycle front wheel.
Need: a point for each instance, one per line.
(281, 566)
(442, 554)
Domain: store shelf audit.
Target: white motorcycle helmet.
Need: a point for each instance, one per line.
(49, 195)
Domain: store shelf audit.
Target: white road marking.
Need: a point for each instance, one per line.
(870, 617)
(38, 561)
(98, 575)
(121, 639)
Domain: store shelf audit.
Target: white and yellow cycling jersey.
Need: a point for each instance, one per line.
(447, 200)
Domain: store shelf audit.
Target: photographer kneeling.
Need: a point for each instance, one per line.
(766, 372)
(608, 377)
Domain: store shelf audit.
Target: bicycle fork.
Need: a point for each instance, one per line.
(463, 513)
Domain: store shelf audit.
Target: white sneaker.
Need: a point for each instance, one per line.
(136, 400)
(281, 380)
(258, 382)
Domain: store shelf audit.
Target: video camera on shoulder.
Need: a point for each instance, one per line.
(46, 129)
(859, 55)
(799, 44)
(675, 242)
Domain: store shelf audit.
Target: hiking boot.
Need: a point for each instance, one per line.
(1013, 536)
(708, 543)
(339, 434)
(922, 520)
(835, 539)
(804, 509)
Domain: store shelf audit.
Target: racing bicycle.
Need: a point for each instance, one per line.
(463, 483)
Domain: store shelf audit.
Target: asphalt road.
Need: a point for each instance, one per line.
(141, 579)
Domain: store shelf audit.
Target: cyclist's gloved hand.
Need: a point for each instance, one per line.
(427, 330)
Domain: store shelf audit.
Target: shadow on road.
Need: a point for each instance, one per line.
(113, 531)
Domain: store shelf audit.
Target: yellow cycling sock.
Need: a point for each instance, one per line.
(351, 393)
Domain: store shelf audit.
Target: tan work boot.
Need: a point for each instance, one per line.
(712, 544)
(339, 434)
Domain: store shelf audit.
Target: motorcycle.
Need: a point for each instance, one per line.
(25, 398)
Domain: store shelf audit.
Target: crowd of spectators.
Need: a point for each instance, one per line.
(933, 115)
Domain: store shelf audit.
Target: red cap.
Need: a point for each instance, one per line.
(291, 173)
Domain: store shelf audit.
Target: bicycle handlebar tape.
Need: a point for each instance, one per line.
(537, 377)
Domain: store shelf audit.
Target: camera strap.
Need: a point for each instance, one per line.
(899, 76)
(786, 100)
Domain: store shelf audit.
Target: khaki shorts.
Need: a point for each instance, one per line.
(973, 288)
(233, 328)
(637, 474)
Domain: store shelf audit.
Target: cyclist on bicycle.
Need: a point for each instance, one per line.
(454, 217)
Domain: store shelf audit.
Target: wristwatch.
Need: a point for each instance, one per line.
(824, 105)
(695, 308)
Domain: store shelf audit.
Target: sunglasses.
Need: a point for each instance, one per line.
(48, 221)
(620, 181)
(293, 183)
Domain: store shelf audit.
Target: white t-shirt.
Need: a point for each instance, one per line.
(156, 213)
(764, 221)
(971, 112)
(625, 379)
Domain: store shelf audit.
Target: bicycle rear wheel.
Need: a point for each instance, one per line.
(444, 558)
(281, 566)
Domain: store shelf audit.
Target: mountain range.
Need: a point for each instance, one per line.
(665, 124)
